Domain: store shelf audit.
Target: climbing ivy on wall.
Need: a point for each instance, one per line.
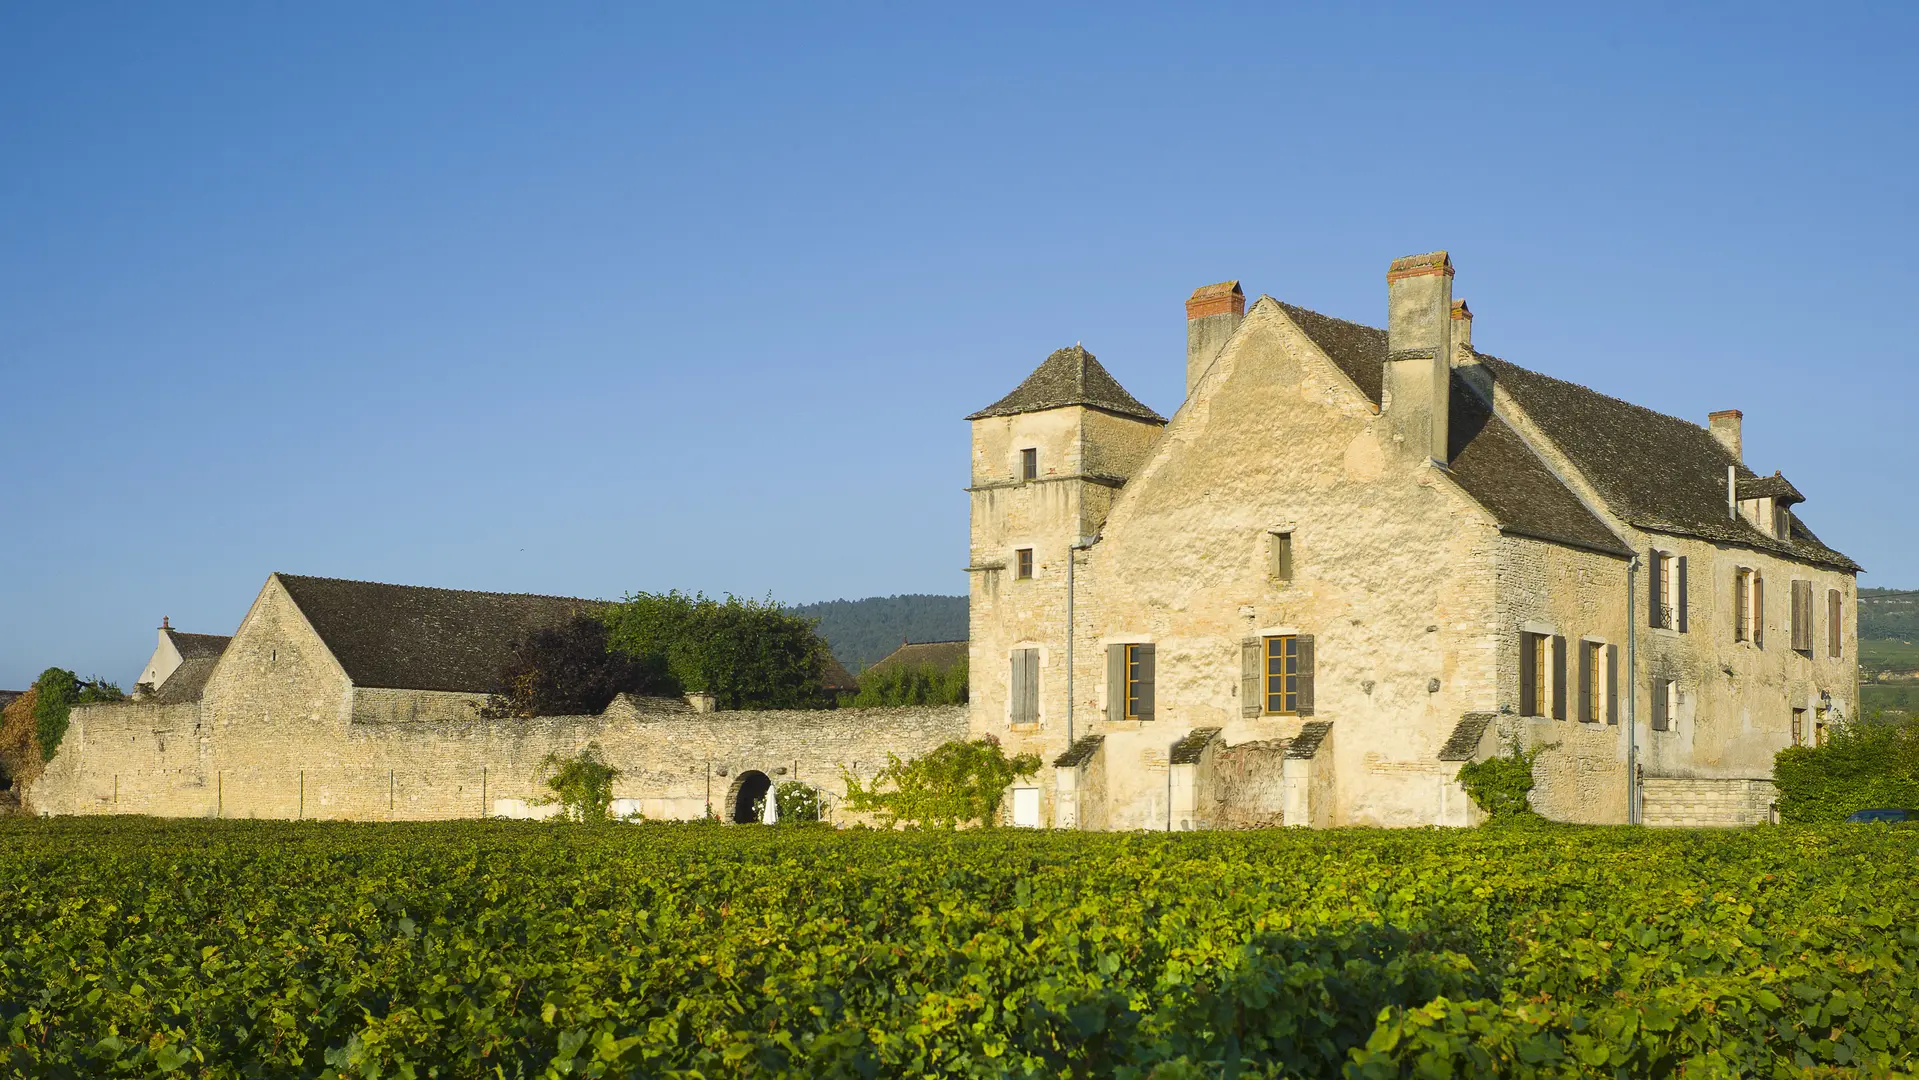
(1864, 765)
(1500, 785)
(958, 783)
(56, 692)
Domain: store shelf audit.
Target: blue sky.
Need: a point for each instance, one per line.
(589, 298)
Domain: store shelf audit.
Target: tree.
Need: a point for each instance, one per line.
(568, 670)
(908, 684)
(57, 691)
(1863, 765)
(954, 784)
(746, 653)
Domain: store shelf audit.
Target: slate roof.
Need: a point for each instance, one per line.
(187, 682)
(1464, 742)
(1311, 734)
(1775, 486)
(194, 646)
(1487, 457)
(1069, 377)
(408, 637)
(1080, 752)
(1188, 750)
(1657, 472)
(942, 655)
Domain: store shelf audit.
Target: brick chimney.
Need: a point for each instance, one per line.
(1419, 344)
(1725, 427)
(1213, 313)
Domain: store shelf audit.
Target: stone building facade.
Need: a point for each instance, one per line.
(357, 700)
(1356, 558)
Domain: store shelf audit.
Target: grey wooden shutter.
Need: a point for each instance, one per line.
(1655, 567)
(1305, 675)
(1559, 677)
(1115, 682)
(1528, 674)
(1659, 704)
(1612, 684)
(1586, 681)
(1835, 641)
(1802, 616)
(1252, 683)
(1758, 609)
(1143, 687)
(1016, 694)
(1679, 594)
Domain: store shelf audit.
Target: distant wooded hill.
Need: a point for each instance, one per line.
(1889, 613)
(862, 632)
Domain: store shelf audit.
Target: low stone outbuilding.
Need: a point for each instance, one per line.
(361, 700)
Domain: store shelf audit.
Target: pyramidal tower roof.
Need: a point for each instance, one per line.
(1070, 376)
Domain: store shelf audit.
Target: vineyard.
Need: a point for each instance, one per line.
(238, 949)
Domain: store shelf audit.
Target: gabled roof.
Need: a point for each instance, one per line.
(407, 637)
(1487, 457)
(1069, 377)
(1774, 487)
(943, 655)
(186, 682)
(1656, 472)
(197, 646)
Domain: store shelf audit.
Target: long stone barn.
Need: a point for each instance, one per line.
(358, 700)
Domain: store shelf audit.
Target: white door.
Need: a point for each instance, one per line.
(1026, 807)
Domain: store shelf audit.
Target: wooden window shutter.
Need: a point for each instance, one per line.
(1143, 660)
(1305, 675)
(1802, 616)
(1659, 704)
(1559, 677)
(1252, 687)
(1835, 641)
(1032, 686)
(1585, 680)
(1679, 594)
(1017, 693)
(1528, 674)
(1656, 567)
(1758, 610)
(1612, 684)
(1115, 682)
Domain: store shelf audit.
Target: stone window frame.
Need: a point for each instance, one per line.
(1027, 466)
(1106, 690)
(1023, 564)
(1549, 679)
(1281, 567)
(1749, 606)
(1596, 664)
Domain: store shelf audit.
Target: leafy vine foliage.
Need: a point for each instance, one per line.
(957, 783)
(582, 784)
(797, 802)
(1501, 785)
(1864, 765)
(138, 947)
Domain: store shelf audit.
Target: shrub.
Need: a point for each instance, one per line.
(582, 784)
(955, 784)
(1500, 785)
(1864, 764)
(568, 670)
(747, 653)
(908, 684)
(795, 802)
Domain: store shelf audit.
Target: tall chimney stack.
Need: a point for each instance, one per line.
(1213, 313)
(1419, 344)
(1725, 426)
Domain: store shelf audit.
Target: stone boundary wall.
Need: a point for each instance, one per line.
(166, 761)
(1696, 802)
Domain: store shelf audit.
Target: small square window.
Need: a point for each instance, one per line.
(1029, 464)
(1023, 564)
